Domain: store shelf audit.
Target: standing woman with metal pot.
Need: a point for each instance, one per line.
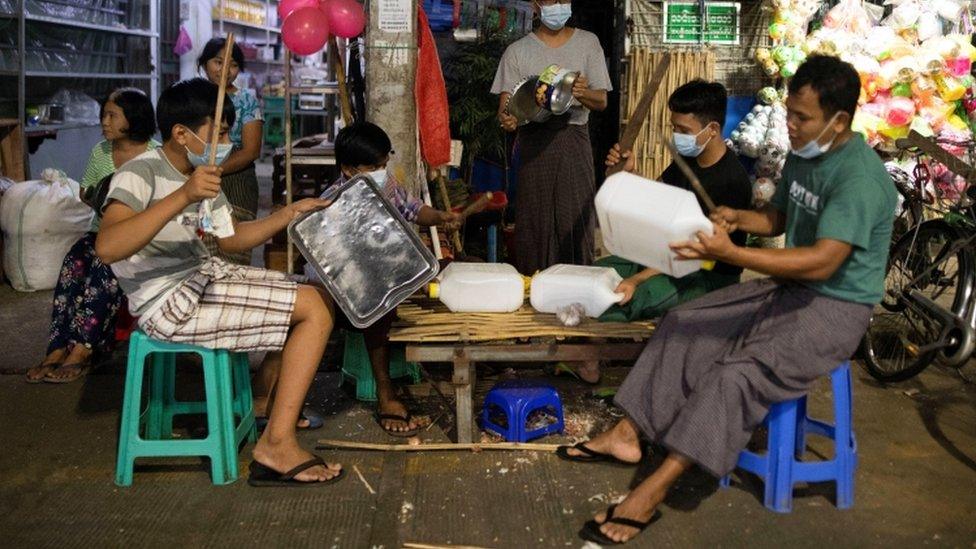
(554, 218)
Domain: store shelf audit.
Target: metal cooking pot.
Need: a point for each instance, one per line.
(554, 89)
(522, 104)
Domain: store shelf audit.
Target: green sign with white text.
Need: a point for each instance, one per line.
(683, 23)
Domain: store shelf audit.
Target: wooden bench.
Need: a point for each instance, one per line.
(431, 333)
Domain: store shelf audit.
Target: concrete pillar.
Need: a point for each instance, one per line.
(391, 60)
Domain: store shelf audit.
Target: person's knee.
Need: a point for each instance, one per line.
(315, 307)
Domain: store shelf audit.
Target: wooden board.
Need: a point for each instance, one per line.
(425, 320)
(12, 149)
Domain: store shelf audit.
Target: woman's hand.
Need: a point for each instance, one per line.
(508, 122)
(581, 86)
(627, 287)
(448, 221)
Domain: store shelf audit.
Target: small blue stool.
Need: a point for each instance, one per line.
(517, 399)
(148, 432)
(781, 466)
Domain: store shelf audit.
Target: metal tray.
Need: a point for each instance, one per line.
(366, 255)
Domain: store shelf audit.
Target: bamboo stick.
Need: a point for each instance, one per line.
(221, 92)
(437, 447)
(340, 71)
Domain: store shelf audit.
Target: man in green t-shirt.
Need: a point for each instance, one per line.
(715, 365)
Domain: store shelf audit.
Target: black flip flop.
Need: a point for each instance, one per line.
(396, 417)
(590, 455)
(263, 476)
(591, 529)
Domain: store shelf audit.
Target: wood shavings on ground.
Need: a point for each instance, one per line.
(405, 511)
(610, 498)
(363, 479)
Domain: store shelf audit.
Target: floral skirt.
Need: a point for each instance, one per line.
(86, 300)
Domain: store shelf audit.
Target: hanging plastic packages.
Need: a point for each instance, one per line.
(183, 42)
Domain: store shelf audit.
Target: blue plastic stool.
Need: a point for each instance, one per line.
(357, 368)
(781, 466)
(517, 399)
(229, 408)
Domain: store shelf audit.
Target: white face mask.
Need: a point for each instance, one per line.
(554, 17)
(687, 144)
(813, 149)
(378, 177)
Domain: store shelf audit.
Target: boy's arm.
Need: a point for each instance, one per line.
(250, 234)
(124, 231)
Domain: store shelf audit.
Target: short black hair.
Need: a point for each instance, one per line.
(836, 83)
(138, 111)
(215, 47)
(190, 103)
(362, 144)
(706, 101)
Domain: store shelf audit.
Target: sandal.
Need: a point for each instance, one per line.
(396, 417)
(263, 476)
(82, 369)
(589, 455)
(50, 367)
(591, 529)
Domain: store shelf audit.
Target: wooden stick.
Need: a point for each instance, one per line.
(442, 189)
(415, 545)
(476, 206)
(340, 71)
(636, 120)
(362, 478)
(692, 178)
(221, 92)
(435, 447)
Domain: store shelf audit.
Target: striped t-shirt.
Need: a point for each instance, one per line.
(100, 165)
(150, 275)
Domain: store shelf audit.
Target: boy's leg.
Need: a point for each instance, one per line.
(278, 447)
(378, 348)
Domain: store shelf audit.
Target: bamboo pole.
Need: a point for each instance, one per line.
(436, 447)
(340, 70)
(218, 117)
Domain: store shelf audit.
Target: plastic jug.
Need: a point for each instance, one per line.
(639, 218)
(479, 288)
(562, 285)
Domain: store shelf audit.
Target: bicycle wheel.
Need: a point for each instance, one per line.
(925, 261)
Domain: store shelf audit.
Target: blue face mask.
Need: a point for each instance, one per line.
(813, 149)
(223, 151)
(687, 145)
(554, 17)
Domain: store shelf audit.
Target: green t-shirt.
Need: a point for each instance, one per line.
(844, 195)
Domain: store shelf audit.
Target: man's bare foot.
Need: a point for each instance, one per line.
(51, 362)
(621, 442)
(639, 505)
(285, 456)
(588, 371)
(392, 406)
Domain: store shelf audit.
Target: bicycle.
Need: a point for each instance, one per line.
(927, 312)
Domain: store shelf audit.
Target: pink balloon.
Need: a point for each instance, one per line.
(346, 17)
(305, 31)
(285, 7)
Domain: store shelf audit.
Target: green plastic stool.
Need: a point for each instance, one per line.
(357, 368)
(230, 413)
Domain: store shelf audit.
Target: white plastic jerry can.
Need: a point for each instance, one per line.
(639, 218)
(562, 285)
(479, 288)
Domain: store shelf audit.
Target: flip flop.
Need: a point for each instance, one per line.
(263, 476)
(84, 367)
(52, 366)
(591, 529)
(396, 417)
(315, 421)
(589, 455)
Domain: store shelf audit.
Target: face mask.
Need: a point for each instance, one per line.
(223, 151)
(378, 177)
(687, 145)
(814, 149)
(554, 17)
